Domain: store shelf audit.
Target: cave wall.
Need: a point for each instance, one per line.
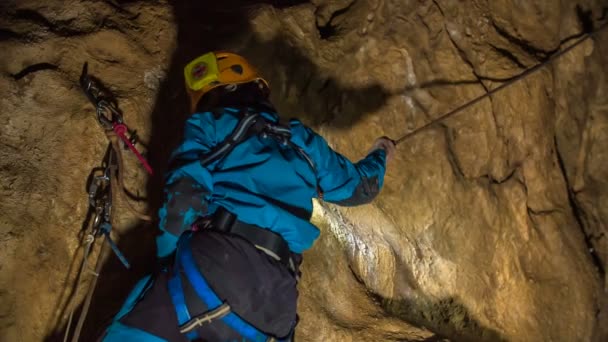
(478, 230)
(50, 140)
(491, 224)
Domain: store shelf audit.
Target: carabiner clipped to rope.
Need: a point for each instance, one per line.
(100, 202)
(104, 110)
(108, 114)
(105, 105)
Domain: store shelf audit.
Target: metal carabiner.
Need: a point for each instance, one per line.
(108, 115)
(107, 112)
(91, 88)
(100, 192)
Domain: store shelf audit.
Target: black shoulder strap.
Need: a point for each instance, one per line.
(239, 134)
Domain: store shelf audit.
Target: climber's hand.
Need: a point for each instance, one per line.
(387, 145)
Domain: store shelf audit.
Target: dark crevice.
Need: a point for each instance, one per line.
(487, 90)
(585, 19)
(535, 226)
(537, 53)
(423, 107)
(330, 30)
(597, 237)
(508, 177)
(33, 68)
(6, 34)
(439, 8)
(117, 5)
(111, 25)
(465, 58)
(32, 16)
(461, 52)
(358, 278)
(542, 212)
(327, 31)
(61, 27)
(451, 153)
(324, 86)
(444, 317)
(420, 18)
(579, 214)
(509, 55)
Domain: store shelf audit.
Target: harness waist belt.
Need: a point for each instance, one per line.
(266, 240)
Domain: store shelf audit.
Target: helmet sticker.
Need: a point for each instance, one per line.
(199, 71)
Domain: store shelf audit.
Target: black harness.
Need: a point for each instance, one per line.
(266, 240)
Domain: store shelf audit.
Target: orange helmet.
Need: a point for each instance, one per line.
(216, 69)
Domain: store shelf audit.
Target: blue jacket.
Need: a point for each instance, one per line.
(262, 181)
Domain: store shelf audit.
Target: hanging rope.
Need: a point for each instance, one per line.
(102, 191)
(114, 180)
(113, 138)
(88, 243)
(87, 302)
(512, 81)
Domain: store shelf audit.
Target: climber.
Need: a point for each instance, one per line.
(235, 220)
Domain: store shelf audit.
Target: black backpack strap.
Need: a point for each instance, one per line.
(241, 132)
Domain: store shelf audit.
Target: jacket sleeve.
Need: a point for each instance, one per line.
(341, 181)
(188, 187)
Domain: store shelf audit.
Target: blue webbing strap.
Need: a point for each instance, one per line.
(106, 228)
(212, 301)
(176, 292)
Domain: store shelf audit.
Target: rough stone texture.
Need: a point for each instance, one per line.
(50, 141)
(581, 123)
(491, 226)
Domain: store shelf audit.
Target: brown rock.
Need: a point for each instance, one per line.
(492, 225)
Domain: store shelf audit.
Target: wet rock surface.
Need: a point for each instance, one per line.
(491, 226)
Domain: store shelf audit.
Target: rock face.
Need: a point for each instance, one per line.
(491, 225)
